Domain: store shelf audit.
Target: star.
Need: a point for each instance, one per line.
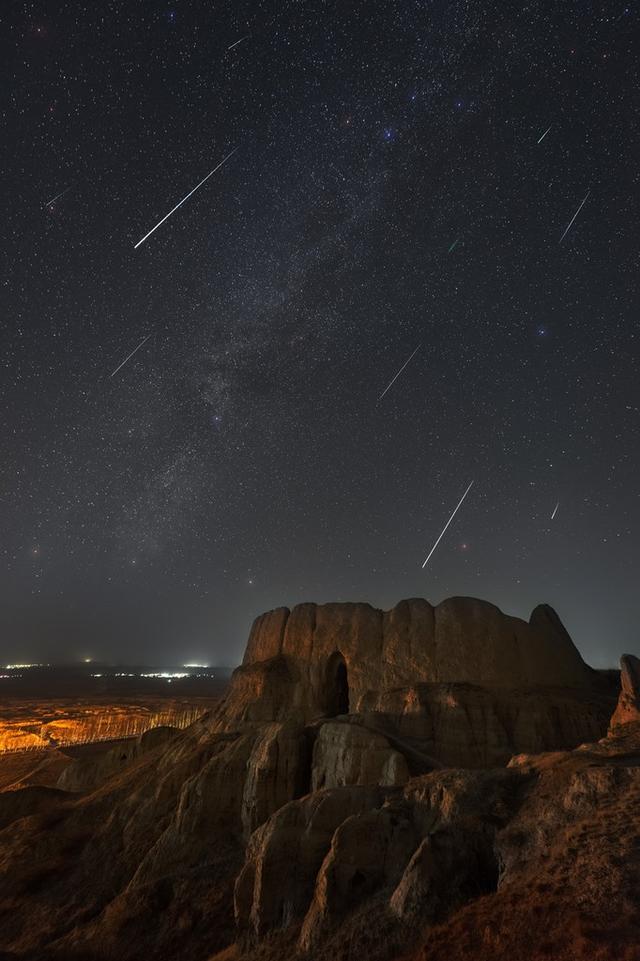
(402, 202)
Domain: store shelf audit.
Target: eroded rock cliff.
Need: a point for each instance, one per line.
(352, 791)
(441, 676)
(293, 657)
(628, 708)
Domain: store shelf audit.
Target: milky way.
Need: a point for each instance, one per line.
(392, 190)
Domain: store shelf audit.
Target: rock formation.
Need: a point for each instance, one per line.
(295, 659)
(441, 678)
(83, 774)
(371, 780)
(628, 707)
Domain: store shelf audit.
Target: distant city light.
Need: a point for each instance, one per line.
(163, 675)
(22, 667)
(166, 674)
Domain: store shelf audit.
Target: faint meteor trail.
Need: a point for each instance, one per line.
(453, 245)
(166, 217)
(555, 510)
(58, 196)
(570, 224)
(135, 351)
(391, 383)
(237, 42)
(447, 524)
(545, 133)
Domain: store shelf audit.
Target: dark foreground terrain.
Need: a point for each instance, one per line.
(419, 784)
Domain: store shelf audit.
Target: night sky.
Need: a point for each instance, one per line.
(388, 194)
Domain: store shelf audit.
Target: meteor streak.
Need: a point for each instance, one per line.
(545, 133)
(135, 351)
(569, 225)
(399, 372)
(58, 196)
(453, 245)
(447, 524)
(555, 510)
(237, 42)
(166, 217)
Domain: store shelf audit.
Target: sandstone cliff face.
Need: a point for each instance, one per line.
(284, 856)
(423, 848)
(293, 657)
(628, 707)
(443, 677)
(461, 639)
(350, 754)
(474, 726)
(469, 861)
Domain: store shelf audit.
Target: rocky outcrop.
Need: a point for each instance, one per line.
(83, 774)
(277, 770)
(461, 639)
(368, 852)
(424, 848)
(353, 784)
(472, 726)
(466, 683)
(415, 858)
(293, 658)
(628, 707)
(350, 754)
(284, 856)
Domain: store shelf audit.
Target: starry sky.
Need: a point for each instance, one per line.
(403, 177)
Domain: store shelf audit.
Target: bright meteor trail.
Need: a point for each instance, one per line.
(390, 384)
(135, 351)
(569, 225)
(237, 42)
(57, 196)
(166, 217)
(555, 510)
(447, 524)
(545, 133)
